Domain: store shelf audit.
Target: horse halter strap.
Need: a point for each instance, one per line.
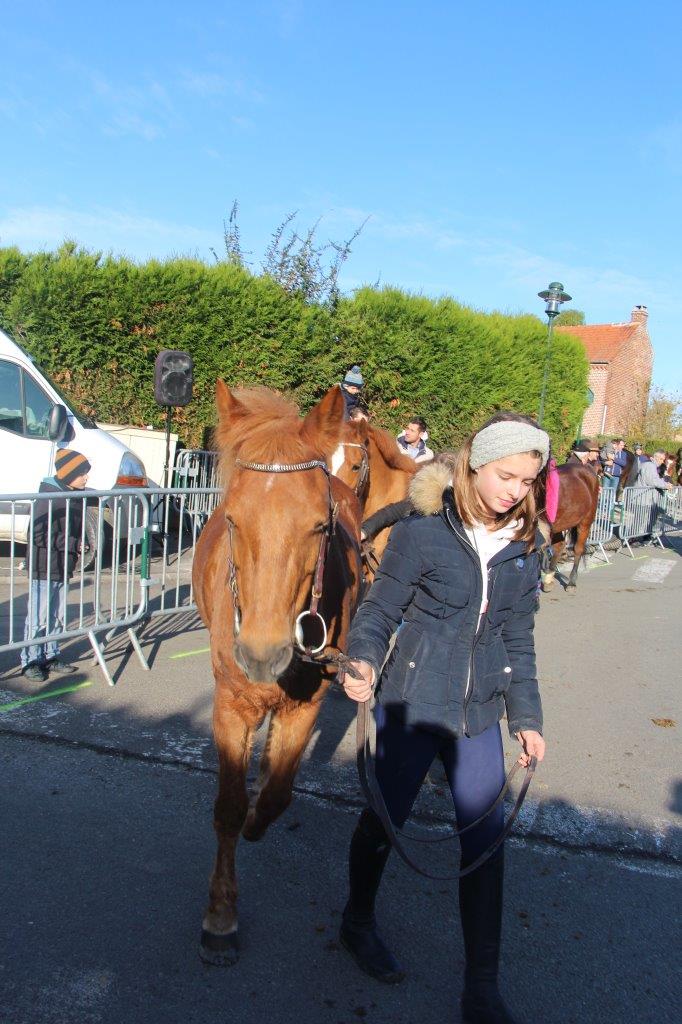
(363, 472)
(312, 612)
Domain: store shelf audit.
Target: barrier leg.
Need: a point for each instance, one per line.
(100, 657)
(138, 649)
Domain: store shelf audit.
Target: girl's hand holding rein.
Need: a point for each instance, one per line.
(533, 746)
(359, 689)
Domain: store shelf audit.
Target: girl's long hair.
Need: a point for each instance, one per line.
(468, 502)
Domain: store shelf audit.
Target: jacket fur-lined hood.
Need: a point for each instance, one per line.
(427, 486)
(426, 492)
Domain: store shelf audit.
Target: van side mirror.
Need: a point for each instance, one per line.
(58, 423)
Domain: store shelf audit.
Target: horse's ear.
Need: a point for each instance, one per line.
(323, 425)
(362, 430)
(229, 408)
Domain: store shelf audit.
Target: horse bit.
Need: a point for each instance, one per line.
(312, 611)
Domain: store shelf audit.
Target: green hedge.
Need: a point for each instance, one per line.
(96, 323)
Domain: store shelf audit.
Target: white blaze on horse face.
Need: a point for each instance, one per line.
(338, 459)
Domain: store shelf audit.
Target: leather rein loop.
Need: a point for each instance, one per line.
(375, 799)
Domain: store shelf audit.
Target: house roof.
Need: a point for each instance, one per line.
(602, 342)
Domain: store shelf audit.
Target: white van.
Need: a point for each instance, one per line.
(36, 419)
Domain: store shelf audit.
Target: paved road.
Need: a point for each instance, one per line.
(105, 864)
(104, 878)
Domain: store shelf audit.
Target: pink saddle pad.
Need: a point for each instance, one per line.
(552, 495)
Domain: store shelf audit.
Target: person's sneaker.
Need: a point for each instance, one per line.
(35, 672)
(60, 668)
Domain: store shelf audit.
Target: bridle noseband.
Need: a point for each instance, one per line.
(312, 611)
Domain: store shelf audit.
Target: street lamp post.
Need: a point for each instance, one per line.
(553, 296)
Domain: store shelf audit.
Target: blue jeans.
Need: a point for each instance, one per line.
(474, 766)
(610, 481)
(41, 621)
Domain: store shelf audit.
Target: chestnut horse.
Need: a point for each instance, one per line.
(578, 497)
(277, 562)
(390, 472)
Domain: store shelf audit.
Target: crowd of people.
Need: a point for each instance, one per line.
(610, 459)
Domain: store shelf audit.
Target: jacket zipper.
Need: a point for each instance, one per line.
(479, 629)
(469, 687)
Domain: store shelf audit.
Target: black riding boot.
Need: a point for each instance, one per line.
(480, 908)
(369, 850)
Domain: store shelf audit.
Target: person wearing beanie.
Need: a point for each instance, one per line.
(461, 577)
(351, 386)
(56, 539)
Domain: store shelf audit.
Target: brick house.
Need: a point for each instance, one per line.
(621, 360)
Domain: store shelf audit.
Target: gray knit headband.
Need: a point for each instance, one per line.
(507, 437)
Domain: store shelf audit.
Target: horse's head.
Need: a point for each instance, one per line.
(350, 461)
(278, 509)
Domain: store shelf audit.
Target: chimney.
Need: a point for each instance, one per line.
(639, 315)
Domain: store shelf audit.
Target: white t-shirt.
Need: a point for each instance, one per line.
(487, 545)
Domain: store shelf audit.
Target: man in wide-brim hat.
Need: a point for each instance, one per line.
(584, 451)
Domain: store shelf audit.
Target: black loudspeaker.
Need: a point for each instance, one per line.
(173, 377)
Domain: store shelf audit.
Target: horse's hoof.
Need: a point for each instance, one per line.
(253, 829)
(219, 950)
(547, 586)
(571, 589)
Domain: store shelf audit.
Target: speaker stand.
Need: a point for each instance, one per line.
(166, 468)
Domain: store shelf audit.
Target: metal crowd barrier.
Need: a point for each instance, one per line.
(647, 512)
(602, 527)
(174, 536)
(45, 604)
(197, 469)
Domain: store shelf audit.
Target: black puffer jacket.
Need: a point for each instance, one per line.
(58, 532)
(445, 672)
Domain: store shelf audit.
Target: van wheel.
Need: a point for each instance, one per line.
(89, 552)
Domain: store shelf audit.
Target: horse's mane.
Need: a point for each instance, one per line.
(389, 451)
(270, 432)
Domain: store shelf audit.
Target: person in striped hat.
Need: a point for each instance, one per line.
(56, 540)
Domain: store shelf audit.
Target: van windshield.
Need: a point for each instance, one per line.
(85, 421)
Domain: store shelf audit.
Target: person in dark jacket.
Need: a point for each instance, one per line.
(55, 547)
(584, 452)
(389, 515)
(351, 387)
(458, 582)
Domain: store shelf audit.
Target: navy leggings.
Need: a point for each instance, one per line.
(474, 766)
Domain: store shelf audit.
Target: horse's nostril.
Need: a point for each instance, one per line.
(281, 660)
(262, 666)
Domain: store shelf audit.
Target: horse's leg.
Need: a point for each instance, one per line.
(288, 735)
(233, 738)
(582, 534)
(558, 545)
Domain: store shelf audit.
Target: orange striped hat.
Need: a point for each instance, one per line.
(69, 465)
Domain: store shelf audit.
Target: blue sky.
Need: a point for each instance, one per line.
(495, 147)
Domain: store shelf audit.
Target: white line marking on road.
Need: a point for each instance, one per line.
(655, 571)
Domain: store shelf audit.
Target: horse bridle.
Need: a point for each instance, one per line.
(312, 612)
(363, 472)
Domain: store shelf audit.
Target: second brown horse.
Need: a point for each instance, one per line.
(578, 497)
